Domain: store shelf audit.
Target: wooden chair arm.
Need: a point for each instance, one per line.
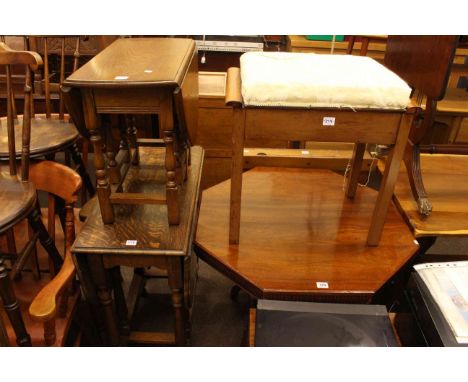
(233, 88)
(10, 56)
(44, 305)
(56, 179)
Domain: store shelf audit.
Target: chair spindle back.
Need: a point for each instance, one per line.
(30, 60)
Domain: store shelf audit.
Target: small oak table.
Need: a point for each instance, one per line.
(141, 237)
(138, 76)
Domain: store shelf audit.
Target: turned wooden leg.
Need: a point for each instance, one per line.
(176, 283)
(392, 168)
(167, 124)
(103, 188)
(132, 139)
(120, 303)
(123, 138)
(356, 165)
(238, 135)
(3, 335)
(413, 169)
(113, 170)
(10, 304)
(82, 169)
(45, 239)
(104, 295)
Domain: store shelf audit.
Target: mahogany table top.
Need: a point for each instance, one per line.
(298, 230)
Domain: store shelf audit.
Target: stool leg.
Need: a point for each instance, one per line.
(238, 135)
(11, 307)
(356, 165)
(387, 186)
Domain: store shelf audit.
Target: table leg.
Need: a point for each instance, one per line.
(103, 188)
(176, 283)
(113, 170)
(95, 328)
(132, 138)
(167, 124)
(98, 273)
(120, 302)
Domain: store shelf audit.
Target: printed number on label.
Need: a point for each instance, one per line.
(322, 285)
(131, 242)
(328, 121)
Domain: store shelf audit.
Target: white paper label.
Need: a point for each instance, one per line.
(121, 78)
(305, 152)
(322, 285)
(328, 121)
(131, 242)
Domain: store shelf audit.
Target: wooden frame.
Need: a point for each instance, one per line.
(365, 126)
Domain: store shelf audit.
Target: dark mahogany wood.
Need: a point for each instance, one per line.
(101, 246)
(291, 240)
(424, 62)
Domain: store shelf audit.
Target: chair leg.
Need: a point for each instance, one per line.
(11, 307)
(46, 241)
(81, 169)
(413, 169)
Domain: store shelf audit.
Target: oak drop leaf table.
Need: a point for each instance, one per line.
(138, 76)
(141, 237)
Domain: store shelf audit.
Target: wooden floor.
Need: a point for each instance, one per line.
(445, 178)
(297, 230)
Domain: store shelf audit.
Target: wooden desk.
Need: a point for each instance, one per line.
(138, 76)
(99, 247)
(291, 240)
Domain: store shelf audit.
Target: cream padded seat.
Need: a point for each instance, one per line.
(281, 79)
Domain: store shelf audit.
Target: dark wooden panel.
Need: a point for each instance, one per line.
(422, 61)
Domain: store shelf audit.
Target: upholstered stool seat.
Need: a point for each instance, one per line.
(323, 98)
(320, 80)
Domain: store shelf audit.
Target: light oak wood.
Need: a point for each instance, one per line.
(140, 76)
(361, 126)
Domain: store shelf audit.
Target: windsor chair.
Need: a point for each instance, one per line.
(37, 307)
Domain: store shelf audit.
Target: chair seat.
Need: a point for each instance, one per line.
(277, 79)
(48, 135)
(17, 200)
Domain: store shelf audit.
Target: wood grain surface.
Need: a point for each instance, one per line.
(47, 135)
(446, 182)
(136, 61)
(147, 224)
(297, 229)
